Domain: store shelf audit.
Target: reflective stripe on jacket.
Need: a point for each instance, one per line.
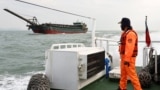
(128, 44)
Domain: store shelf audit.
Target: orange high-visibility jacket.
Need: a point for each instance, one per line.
(128, 45)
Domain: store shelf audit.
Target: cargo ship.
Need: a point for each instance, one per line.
(51, 28)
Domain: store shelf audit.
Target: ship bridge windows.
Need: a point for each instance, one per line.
(77, 23)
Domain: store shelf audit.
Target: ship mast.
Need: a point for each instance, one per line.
(93, 19)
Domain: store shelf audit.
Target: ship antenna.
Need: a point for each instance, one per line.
(94, 20)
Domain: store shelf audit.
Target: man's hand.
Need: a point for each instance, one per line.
(126, 63)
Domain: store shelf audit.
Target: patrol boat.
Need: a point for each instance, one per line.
(73, 66)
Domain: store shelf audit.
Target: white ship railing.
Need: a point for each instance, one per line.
(108, 43)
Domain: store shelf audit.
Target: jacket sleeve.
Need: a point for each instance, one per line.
(129, 47)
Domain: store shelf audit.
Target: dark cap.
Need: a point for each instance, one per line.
(125, 21)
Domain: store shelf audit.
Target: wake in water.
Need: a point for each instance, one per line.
(16, 82)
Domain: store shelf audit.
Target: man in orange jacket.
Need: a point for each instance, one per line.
(128, 51)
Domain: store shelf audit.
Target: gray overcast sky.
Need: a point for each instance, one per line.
(106, 12)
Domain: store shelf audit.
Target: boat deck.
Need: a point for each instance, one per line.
(110, 84)
(105, 83)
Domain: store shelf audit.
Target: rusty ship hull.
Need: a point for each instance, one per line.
(77, 27)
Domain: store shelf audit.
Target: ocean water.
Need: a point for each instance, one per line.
(22, 53)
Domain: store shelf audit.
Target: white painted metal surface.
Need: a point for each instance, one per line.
(67, 68)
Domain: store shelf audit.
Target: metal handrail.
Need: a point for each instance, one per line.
(108, 42)
(145, 49)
